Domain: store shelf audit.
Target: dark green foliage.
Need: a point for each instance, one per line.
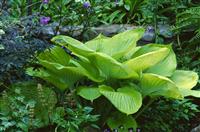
(73, 119)
(17, 49)
(162, 10)
(28, 98)
(187, 22)
(28, 106)
(17, 113)
(168, 116)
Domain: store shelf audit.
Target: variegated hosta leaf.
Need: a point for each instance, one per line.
(126, 99)
(155, 85)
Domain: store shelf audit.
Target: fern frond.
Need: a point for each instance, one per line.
(189, 19)
(196, 37)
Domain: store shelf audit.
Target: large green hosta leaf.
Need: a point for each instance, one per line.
(167, 66)
(188, 92)
(155, 85)
(126, 99)
(62, 78)
(89, 70)
(56, 69)
(89, 93)
(55, 55)
(185, 79)
(41, 73)
(118, 45)
(110, 67)
(147, 60)
(72, 44)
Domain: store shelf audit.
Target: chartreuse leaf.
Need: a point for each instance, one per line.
(118, 45)
(146, 49)
(155, 85)
(72, 44)
(56, 69)
(188, 92)
(89, 70)
(185, 79)
(89, 93)
(117, 120)
(126, 99)
(167, 66)
(97, 43)
(55, 55)
(147, 60)
(61, 78)
(110, 67)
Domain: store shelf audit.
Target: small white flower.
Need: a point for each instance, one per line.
(77, 0)
(2, 32)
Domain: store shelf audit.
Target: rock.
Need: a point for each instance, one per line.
(196, 129)
(47, 31)
(165, 31)
(110, 30)
(74, 31)
(89, 33)
(149, 34)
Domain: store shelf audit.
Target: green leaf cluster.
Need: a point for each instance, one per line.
(22, 110)
(117, 69)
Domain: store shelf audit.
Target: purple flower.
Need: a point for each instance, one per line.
(130, 130)
(45, 1)
(86, 4)
(138, 130)
(44, 20)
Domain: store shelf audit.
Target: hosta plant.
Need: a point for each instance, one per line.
(117, 69)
